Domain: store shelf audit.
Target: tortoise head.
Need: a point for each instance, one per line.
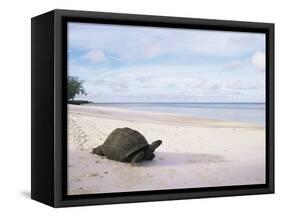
(148, 154)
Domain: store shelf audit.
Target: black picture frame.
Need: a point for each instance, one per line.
(49, 116)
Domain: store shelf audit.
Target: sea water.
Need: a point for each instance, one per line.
(238, 112)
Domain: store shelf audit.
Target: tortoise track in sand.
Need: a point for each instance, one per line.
(78, 135)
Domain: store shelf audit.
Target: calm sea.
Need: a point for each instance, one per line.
(239, 112)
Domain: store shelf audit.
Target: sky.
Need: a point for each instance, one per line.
(121, 63)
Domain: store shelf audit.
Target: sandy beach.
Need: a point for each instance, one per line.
(196, 152)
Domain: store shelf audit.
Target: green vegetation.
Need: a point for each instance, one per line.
(74, 87)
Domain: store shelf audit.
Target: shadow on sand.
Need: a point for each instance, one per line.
(176, 159)
(25, 194)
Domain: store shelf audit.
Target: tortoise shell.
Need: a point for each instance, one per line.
(123, 143)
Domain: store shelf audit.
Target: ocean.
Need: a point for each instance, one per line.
(238, 112)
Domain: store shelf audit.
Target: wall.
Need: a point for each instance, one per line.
(15, 106)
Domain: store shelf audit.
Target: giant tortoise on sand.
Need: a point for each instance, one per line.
(127, 145)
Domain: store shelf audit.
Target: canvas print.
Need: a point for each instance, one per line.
(154, 108)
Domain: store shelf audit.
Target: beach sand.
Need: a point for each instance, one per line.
(195, 152)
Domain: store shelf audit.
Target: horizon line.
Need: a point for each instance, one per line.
(181, 102)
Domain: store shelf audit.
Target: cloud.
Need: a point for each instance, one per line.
(203, 84)
(147, 86)
(98, 82)
(234, 65)
(96, 56)
(214, 86)
(196, 83)
(130, 63)
(142, 79)
(244, 85)
(166, 82)
(118, 85)
(171, 85)
(258, 60)
(152, 51)
(137, 43)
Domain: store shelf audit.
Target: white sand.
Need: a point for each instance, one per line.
(195, 152)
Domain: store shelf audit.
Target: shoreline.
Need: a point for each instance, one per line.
(195, 152)
(155, 117)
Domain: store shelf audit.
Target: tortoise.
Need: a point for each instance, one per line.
(127, 145)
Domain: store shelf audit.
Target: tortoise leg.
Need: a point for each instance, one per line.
(137, 158)
(98, 151)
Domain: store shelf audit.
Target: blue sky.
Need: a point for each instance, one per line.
(146, 64)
